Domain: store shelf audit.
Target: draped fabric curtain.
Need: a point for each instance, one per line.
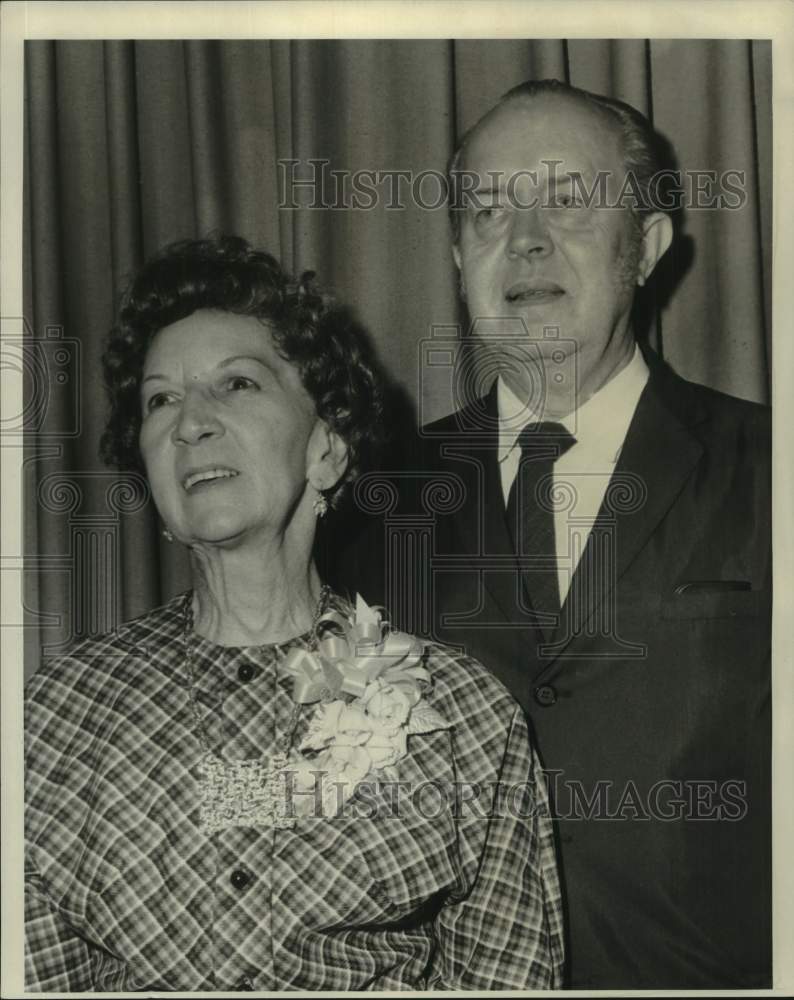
(130, 145)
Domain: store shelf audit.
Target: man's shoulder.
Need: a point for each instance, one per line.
(713, 416)
(702, 397)
(443, 427)
(474, 416)
(473, 427)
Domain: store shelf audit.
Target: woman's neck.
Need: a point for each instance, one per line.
(249, 599)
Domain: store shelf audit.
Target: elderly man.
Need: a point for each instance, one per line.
(606, 550)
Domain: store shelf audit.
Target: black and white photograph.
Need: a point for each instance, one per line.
(393, 418)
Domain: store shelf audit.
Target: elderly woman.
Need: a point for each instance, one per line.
(257, 785)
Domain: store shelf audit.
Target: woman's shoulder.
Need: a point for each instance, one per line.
(481, 711)
(465, 683)
(478, 708)
(90, 664)
(462, 688)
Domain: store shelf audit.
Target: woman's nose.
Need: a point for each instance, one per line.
(197, 417)
(529, 234)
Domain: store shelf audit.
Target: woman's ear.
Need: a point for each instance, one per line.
(327, 457)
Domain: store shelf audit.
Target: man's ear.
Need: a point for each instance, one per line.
(459, 263)
(327, 457)
(657, 235)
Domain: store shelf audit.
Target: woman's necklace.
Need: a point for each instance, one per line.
(243, 792)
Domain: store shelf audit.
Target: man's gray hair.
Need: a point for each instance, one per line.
(644, 150)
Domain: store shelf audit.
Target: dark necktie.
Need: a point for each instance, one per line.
(530, 518)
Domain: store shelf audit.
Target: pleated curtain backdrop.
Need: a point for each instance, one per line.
(130, 145)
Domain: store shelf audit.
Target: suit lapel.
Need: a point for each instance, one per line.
(657, 458)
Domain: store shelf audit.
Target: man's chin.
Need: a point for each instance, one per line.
(516, 331)
(541, 374)
(552, 345)
(546, 354)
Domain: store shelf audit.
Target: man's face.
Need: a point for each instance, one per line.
(531, 249)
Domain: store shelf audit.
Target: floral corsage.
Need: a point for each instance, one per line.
(370, 684)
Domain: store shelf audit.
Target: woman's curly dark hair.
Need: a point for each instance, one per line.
(324, 341)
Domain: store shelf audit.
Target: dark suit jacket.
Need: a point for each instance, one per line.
(649, 700)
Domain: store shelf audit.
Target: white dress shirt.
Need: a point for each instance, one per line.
(599, 426)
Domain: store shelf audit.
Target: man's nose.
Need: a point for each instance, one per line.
(197, 417)
(529, 234)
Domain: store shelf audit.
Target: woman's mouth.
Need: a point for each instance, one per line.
(206, 477)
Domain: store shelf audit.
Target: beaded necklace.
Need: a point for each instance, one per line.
(243, 792)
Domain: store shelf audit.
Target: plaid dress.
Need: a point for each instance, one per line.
(446, 885)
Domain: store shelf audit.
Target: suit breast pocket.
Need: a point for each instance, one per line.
(699, 601)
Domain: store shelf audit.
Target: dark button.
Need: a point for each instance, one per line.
(240, 878)
(244, 983)
(545, 695)
(245, 672)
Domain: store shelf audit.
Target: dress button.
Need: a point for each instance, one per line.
(545, 695)
(244, 983)
(245, 672)
(240, 878)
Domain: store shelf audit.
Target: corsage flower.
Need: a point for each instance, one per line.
(370, 683)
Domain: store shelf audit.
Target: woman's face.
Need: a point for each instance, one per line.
(229, 435)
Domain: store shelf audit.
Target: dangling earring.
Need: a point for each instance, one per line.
(167, 535)
(320, 505)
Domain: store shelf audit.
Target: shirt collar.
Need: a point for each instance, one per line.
(600, 424)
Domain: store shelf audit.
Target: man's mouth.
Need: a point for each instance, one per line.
(536, 292)
(206, 477)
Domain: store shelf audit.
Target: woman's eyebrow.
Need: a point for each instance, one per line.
(154, 376)
(244, 357)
